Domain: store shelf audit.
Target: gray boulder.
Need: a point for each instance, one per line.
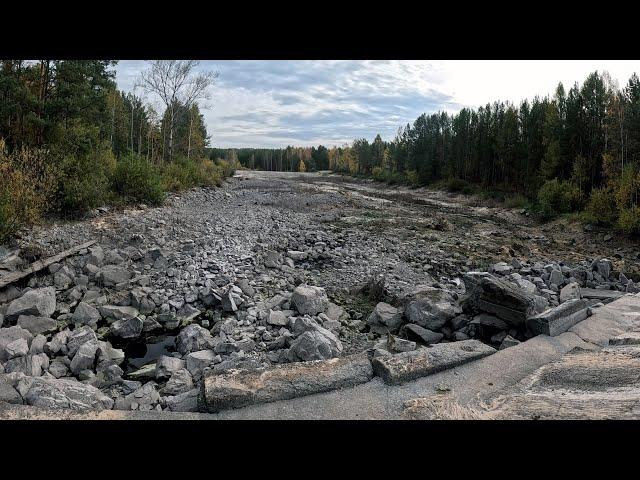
(572, 290)
(8, 335)
(166, 366)
(85, 357)
(143, 396)
(37, 325)
(127, 328)
(315, 345)
(78, 337)
(309, 300)
(384, 318)
(62, 394)
(184, 402)
(112, 275)
(86, 314)
(180, 382)
(39, 302)
(193, 338)
(196, 362)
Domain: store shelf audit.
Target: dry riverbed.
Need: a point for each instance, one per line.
(226, 278)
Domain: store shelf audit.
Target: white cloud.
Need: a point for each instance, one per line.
(275, 103)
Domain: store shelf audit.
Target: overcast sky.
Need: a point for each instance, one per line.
(278, 103)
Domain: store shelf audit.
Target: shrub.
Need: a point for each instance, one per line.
(186, 173)
(558, 196)
(136, 179)
(26, 188)
(83, 180)
(629, 220)
(601, 207)
(456, 185)
(412, 178)
(516, 200)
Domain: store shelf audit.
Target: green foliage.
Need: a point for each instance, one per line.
(136, 179)
(26, 187)
(601, 207)
(558, 196)
(187, 173)
(458, 185)
(517, 200)
(412, 178)
(629, 220)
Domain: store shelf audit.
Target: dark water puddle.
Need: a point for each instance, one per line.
(139, 354)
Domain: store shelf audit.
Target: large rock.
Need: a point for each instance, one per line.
(407, 366)
(127, 328)
(486, 293)
(559, 319)
(570, 291)
(62, 393)
(385, 318)
(309, 300)
(40, 302)
(143, 396)
(112, 275)
(37, 325)
(9, 335)
(8, 394)
(314, 345)
(239, 388)
(166, 366)
(193, 338)
(430, 307)
(184, 402)
(85, 357)
(79, 337)
(196, 362)
(86, 314)
(113, 312)
(180, 382)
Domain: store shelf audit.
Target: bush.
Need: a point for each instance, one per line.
(629, 220)
(83, 181)
(26, 188)
(601, 207)
(187, 173)
(412, 178)
(516, 200)
(136, 179)
(457, 185)
(558, 196)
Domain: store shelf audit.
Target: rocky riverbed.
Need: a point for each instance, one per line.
(279, 268)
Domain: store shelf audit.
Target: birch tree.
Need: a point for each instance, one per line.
(176, 82)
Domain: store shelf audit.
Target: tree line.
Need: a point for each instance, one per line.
(70, 140)
(577, 149)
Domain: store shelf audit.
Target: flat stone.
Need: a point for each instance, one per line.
(239, 388)
(62, 394)
(9, 394)
(40, 302)
(278, 318)
(113, 312)
(559, 319)
(407, 366)
(184, 402)
(196, 362)
(598, 294)
(37, 325)
(112, 275)
(423, 335)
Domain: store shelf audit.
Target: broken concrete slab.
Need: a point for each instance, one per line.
(407, 366)
(559, 319)
(609, 321)
(239, 388)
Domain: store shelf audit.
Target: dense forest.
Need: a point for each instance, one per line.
(71, 141)
(576, 150)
